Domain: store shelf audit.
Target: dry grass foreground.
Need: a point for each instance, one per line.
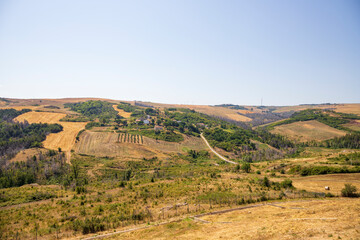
(334, 181)
(314, 219)
(308, 131)
(64, 139)
(109, 144)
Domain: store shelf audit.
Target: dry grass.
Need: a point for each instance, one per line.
(334, 181)
(308, 131)
(122, 112)
(24, 154)
(40, 117)
(219, 112)
(317, 219)
(344, 108)
(353, 125)
(64, 139)
(104, 144)
(193, 143)
(112, 145)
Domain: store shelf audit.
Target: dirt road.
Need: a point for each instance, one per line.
(217, 154)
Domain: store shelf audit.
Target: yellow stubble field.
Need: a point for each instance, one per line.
(308, 131)
(64, 139)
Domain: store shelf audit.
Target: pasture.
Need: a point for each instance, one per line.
(308, 131)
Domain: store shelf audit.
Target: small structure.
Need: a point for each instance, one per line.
(327, 188)
(146, 122)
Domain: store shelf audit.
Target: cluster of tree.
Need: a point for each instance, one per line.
(189, 122)
(168, 136)
(274, 140)
(52, 107)
(40, 168)
(319, 170)
(194, 155)
(9, 114)
(350, 158)
(127, 107)
(351, 140)
(235, 140)
(286, 183)
(232, 106)
(94, 109)
(15, 136)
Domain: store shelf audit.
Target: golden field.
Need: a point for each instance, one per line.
(64, 139)
(308, 131)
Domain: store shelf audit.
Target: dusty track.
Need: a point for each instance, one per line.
(217, 154)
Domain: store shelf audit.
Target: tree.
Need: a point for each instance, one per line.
(349, 191)
(246, 167)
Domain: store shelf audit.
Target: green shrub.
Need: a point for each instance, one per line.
(349, 191)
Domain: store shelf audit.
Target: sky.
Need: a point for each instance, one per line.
(185, 52)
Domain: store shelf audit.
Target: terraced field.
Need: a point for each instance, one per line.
(308, 131)
(125, 145)
(110, 144)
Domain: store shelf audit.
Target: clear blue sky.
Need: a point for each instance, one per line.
(194, 52)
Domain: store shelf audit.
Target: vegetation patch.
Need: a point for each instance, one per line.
(168, 136)
(319, 170)
(94, 109)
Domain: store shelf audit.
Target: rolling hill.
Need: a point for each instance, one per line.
(127, 170)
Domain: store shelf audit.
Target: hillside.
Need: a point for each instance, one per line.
(308, 131)
(76, 168)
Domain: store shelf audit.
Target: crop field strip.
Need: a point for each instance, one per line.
(130, 138)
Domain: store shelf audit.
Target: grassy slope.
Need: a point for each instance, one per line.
(296, 220)
(308, 131)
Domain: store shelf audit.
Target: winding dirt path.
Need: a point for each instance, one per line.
(217, 154)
